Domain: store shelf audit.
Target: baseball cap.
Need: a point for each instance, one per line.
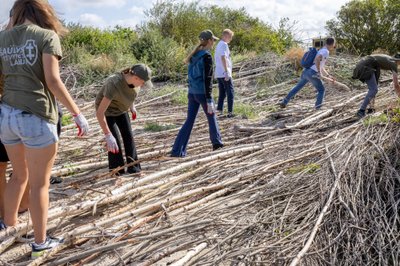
(207, 35)
(143, 72)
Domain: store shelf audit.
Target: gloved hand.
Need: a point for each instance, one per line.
(227, 77)
(82, 124)
(112, 145)
(133, 111)
(210, 106)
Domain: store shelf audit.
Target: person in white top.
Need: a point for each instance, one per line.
(313, 75)
(223, 72)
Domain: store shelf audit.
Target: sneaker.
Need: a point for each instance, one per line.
(39, 249)
(55, 180)
(230, 115)
(217, 146)
(3, 226)
(360, 113)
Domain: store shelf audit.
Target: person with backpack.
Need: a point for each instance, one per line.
(367, 71)
(113, 102)
(200, 74)
(223, 72)
(29, 60)
(314, 68)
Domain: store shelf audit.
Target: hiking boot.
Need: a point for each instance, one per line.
(360, 113)
(230, 115)
(55, 180)
(39, 249)
(281, 104)
(3, 226)
(217, 146)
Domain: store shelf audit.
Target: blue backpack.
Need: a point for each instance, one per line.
(308, 58)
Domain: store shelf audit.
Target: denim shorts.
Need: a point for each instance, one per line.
(17, 126)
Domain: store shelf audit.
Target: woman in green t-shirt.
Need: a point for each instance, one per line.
(113, 101)
(29, 55)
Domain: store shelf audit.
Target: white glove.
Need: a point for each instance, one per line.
(133, 111)
(82, 124)
(227, 76)
(210, 106)
(112, 145)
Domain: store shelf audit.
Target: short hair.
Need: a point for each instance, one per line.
(227, 32)
(330, 41)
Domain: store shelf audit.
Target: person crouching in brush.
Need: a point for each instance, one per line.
(113, 101)
(200, 74)
(368, 71)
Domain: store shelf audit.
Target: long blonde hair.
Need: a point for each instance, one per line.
(203, 43)
(39, 12)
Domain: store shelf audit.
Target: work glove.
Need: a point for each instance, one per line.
(82, 124)
(133, 111)
(112, 145)
(227, 77)
(210, 106)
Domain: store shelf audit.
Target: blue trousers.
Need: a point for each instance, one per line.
(225, 90)
(182, 140)
(308, 75)
(372, 91)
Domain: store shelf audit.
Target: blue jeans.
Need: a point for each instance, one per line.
(182, 140)
(17, 126)
(225, 89)
(308, 75)
(372, 91)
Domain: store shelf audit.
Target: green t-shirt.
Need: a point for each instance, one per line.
(119, 92)
(386, 62)
(21, 50)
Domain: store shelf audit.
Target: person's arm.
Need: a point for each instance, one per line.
(396, 84)
(55, 84)
(112, 145)
(58, 89)
(208, 74)
(100, 114)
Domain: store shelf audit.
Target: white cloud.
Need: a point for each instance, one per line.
(137, 10)
(94, 3)
(92, 20)
(5, 10)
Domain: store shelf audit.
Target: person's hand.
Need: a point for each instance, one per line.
(133, 111)
(82, 124)
(112, 145)
(210, 106)
(226, 76)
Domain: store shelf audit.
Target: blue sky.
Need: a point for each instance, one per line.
(310, 15)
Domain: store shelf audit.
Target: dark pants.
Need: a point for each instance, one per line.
(122, 124)
(182, 140)
(225, 89)
(372, 91)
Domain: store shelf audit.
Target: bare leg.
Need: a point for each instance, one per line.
(17, 184)
(39, 181)
(3, 168)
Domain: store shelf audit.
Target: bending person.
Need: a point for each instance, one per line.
(368, 71)
(113, 101)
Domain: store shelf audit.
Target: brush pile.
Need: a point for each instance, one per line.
(293, 186)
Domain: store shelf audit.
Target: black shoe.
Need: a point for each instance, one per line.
(370, 110)
(133, 170)
(217, 146)
(55, 180)
(282, 105)
(360, 113)
(230, 115)
(3, 226)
